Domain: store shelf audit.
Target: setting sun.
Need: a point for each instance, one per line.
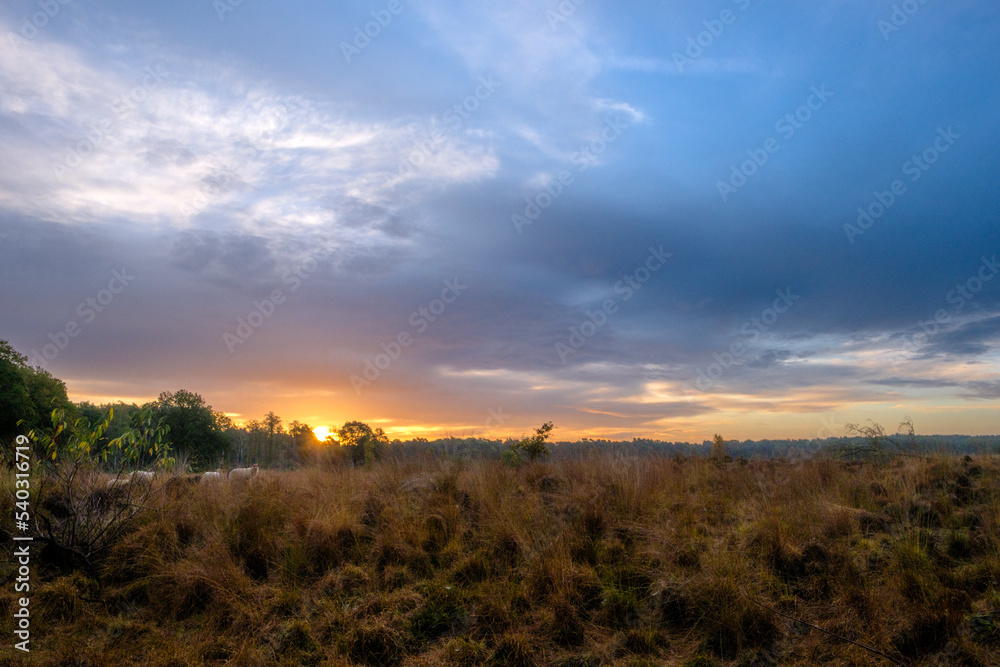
(321, 432)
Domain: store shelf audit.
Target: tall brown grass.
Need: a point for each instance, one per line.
(606, 559)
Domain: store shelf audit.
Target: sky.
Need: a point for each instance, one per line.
(659, 220)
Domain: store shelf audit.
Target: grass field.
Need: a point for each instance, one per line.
(597, 561)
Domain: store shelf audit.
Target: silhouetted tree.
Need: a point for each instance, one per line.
(273, 428)
(718, 452)
(533, 447)
(364, 444)
(306, 441)
(877, 443)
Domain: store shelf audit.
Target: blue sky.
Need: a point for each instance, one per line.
(637, 221)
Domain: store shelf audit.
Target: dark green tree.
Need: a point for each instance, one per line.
(28, 394)
(15, 404)
(195, 430)
(365, 445)
(121, 417)
(92, 413)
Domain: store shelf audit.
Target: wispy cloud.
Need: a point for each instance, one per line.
(550, 71)
(705, 65)
(96, 144)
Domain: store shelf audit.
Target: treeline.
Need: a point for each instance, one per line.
(204, 439)
(748, 449)
(183, 426)
(34, 401)
(200, 438)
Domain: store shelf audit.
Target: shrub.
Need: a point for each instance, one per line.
(80, 516)
(718, 452)
(533, 447)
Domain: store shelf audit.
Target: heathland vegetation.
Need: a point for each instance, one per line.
(367, 551)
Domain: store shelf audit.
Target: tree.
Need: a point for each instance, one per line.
(27, 394)
(272, 424)
(47, 393)
(121, 417)
(272, 427)
(224, 421)
(92, 413)
(718, 452)
(306, 441)
(195, 430)
(876, 439)
(533, 447)
(364, 444)
(15, 404)
(143, 441)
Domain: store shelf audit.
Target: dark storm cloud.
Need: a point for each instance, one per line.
(231, 259)
(969, 339)
(719, 277)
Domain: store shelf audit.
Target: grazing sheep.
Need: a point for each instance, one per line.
(210, 477)
(119, 483)
(128, 479)
(243, 474)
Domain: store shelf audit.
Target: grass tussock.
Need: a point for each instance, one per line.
(594, 561)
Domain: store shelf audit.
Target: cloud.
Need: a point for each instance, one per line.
(548, 72)
(533, 54)
(151, 146)
(919, 383)
(624, 108)
(974, 338)
(983, 390)
(703, 65)
(228, 258)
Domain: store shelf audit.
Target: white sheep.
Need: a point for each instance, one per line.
(119, 483)
(210, 477)
(243, 474)
(128, 479)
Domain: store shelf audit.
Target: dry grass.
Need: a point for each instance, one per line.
(603, 560)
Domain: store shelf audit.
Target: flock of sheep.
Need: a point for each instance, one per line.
(236, 474)
(145, 478)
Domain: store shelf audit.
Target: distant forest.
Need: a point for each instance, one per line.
(748, 449)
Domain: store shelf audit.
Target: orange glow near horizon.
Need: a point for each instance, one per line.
(817, 413)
